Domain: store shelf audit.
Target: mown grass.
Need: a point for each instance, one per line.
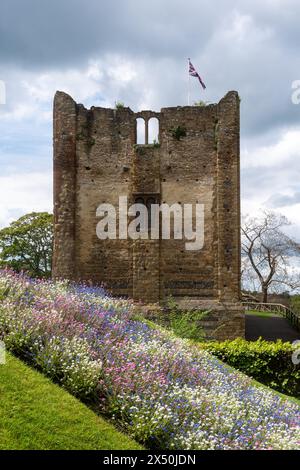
(263, 314)
(39, 415)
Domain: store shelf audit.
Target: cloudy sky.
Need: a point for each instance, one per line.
(136, 51)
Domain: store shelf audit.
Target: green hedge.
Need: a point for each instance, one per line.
(267, 362)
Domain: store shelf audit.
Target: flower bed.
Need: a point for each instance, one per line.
(166, 393)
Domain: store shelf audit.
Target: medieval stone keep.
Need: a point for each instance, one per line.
(195, 159)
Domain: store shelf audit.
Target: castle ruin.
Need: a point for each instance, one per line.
(194, 160)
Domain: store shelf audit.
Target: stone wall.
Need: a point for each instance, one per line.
(96, 160)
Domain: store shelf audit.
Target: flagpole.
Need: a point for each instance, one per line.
(189, 91)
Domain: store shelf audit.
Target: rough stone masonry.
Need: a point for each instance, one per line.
(195, 160)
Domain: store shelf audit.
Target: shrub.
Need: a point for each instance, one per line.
(178, 132)
(183, 323)
(267, 362)
(119, 105)
(201, 103)
(295, 303)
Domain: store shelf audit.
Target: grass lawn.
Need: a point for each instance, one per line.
(37, 414)
(263, 314)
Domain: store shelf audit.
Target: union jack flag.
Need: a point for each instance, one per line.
(193, 72)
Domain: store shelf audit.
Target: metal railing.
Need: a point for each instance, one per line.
(292, 317)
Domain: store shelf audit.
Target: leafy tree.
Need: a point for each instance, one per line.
(27, 244)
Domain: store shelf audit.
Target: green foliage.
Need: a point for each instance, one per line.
(141, 149)
(80, 136)
(27, 244)
(178, 132)
(184, 323)
(119, 105)
(4, 291)
(201, 103)
(91, 141)
(295, 303)
(155, 143)
(267, 362)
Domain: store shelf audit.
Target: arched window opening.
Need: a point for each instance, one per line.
(140, 131)
(153, 130)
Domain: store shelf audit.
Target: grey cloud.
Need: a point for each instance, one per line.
(256, 180)
(61, 34)
(283, 200)
(40, 36)
(68, 31)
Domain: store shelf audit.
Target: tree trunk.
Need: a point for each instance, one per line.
(265, 294)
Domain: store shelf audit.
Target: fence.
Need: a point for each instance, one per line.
(280, 309)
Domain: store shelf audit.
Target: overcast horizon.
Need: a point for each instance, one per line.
(136, 52)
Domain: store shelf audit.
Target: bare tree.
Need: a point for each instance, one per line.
(266, 254)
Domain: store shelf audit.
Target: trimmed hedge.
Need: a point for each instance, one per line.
(267, 362)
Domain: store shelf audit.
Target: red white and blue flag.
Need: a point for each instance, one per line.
(193, 72)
